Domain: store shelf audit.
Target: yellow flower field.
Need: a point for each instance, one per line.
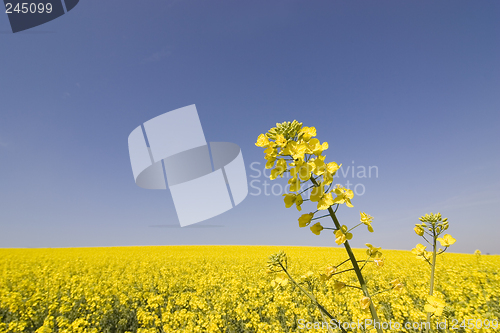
(227, 289)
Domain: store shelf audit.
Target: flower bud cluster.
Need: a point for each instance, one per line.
(287, 129)
(276, 262)
(434, 223)
(293, 148)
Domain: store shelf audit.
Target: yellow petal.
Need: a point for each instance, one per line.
(429, 308)
(262, 141)
(305, 219)
(316, 229)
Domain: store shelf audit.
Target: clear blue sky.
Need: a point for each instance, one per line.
(411, 87)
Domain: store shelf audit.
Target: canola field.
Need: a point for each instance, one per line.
(227, 289)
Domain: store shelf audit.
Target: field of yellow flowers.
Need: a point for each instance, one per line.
(227, 289)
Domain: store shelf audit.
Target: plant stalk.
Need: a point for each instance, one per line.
(355, 265)
(359, 275)
(431, 288)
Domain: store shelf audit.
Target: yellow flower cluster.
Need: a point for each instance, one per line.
(225, 289)
(290, 147)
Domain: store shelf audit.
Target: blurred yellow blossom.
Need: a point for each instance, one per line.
(305, 219)
(281, 280)
(323, 199)
(397, 285)
(328, 273)
(364, 302)
(447, 240)
(419, 250)
(316, 228)
(434, 305)
(338, 286)
(343, 196)
(292, 198)
(379, 262)
(307, 133)
(367, 219)
(341, 235)
(373, 251)
(262, 141)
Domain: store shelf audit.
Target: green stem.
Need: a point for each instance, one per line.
(355, 266)
(355, 227)
(431, 288)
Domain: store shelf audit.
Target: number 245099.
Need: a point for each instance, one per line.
(29, 8)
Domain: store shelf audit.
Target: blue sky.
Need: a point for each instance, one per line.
(411, 87)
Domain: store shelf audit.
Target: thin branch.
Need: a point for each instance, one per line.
(355, 227)
(378, 292)
(443, 251)
(329, 187)
(317, 218)
(346, 270)
(366, 260)
(316, 177)
(306, 189)
(426, 239)
(348, 285)
(343, 262)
